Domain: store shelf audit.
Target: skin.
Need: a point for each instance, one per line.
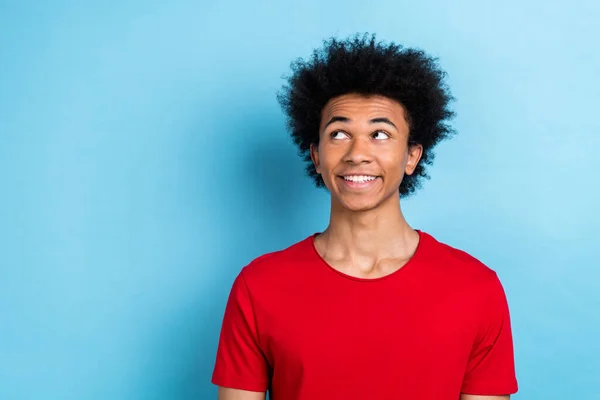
(367, 235)
(236, 394)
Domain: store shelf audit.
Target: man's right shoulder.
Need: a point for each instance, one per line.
(279, 262)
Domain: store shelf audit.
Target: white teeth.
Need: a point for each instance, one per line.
(359, 178)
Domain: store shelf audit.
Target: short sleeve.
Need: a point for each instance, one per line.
(491, 367)
(240, 362)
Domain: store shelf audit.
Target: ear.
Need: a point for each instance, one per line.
(415, 151)
(314, 156)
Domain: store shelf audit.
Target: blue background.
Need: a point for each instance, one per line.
(144, 161)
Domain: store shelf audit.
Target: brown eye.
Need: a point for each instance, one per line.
(381, 135)
(336, 135)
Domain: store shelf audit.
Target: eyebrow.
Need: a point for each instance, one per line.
(382, 120)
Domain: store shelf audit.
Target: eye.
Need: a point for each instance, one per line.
(336, 135)
(381, 135)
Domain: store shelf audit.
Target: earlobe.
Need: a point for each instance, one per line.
(314, 155)
(413, 159)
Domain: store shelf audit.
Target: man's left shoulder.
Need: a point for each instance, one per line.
(458, 263)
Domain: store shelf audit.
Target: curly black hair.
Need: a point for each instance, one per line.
(360, 64)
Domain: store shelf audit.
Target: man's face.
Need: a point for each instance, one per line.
(363, 150)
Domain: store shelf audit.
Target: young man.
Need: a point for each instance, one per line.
(370, 308)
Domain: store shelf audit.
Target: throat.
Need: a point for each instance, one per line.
(364, 270)
(365, 259)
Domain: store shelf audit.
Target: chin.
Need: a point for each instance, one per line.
(365, 203)
(358, 206)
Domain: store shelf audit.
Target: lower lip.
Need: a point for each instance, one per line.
(359, 185)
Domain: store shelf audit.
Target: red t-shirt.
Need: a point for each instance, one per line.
(437, 327)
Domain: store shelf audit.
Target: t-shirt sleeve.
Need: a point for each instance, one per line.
(240, 362)
(491, 367)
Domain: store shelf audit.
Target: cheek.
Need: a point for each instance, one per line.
(393, 161)
(327, 158)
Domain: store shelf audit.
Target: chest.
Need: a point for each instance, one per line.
(419, 328)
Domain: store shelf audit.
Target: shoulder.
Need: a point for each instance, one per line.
(457, 264)
(276, 265)
(467, 278)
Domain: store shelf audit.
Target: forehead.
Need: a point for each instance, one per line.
(355, 106)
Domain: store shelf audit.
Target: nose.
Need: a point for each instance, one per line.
(359, 151)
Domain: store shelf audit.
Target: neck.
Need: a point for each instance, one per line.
(375, 234)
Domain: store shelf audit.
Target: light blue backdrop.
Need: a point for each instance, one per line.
(144, 161)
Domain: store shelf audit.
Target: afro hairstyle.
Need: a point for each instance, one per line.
(360, 64)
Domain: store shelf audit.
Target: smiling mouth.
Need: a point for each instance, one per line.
(359, 178)
(359, 181)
